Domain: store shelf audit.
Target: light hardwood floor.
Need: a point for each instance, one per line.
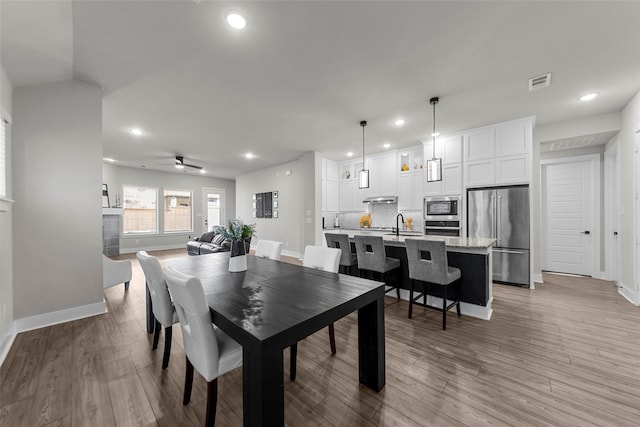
(565, 354)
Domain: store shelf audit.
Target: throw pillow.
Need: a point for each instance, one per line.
(218, 239)
(207, 237)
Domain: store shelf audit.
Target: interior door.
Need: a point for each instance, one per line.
(213, 208)
(567, 216)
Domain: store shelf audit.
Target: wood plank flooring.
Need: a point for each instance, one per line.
(565, 354)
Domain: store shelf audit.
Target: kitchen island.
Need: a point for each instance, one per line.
(473, 256)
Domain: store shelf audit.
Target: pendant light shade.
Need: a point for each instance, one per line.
(434, 166)
(363, 174)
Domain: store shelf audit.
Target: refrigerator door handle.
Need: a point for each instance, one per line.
(495, 221)
(505, 251)
(498, 220)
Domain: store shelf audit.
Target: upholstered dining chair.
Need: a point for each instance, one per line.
(269, 249)
(341, 241)
(372, 260)
(209, 350)
(428, 263)
(161, 304)
(321, 258)
(115, 272)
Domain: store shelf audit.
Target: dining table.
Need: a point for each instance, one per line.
(273, 305)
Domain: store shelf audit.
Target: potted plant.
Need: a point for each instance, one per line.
(239, 234)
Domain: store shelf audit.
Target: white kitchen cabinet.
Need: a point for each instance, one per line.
(499, 154)
(479, 144)
(449, 149)
(382, 174)
(351, 196)
(411, 191)
(411, 159)
(332, 196)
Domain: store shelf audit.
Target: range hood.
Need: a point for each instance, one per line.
(381, 199)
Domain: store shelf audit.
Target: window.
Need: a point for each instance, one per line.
(140, 210)
(177, 210)
(3, 169)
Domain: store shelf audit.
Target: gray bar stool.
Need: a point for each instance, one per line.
(428, 263)
(341, 241)
(372, 258)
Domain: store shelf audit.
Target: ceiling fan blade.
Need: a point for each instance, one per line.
(180, 161)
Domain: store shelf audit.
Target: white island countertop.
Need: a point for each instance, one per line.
(392, 240)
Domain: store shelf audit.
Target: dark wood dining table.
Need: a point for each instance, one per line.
(272, 306)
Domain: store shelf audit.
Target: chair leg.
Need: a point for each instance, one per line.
(212, 401)
(167, 347)
(126, 286)
(188, 382)
(332, 338)
(444, 308)
(458, 292)
(156, 334)
(293, 355)
(410, 297)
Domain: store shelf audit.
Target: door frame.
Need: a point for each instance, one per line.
(594, 161)
(636, 168)
(223, 206)
(611, 196)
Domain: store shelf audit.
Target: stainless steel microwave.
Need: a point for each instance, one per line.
(443, 208)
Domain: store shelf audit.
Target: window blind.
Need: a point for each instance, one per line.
(3, 168)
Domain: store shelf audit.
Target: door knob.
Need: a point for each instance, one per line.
(615, 233)
(585, 232)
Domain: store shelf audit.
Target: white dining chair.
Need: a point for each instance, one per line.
(209, 350)
(162, 306)
(321, 258)
(269, 249)
(115, 272)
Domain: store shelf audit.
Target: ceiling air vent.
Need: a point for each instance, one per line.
(539, 81)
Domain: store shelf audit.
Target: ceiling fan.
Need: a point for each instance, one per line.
(180, 164)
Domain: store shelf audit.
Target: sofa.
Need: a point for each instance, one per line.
(210, 242)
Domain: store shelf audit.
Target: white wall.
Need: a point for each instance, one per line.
(57, 177)
(296, 196)
(116, 177)
(6, 207)
(630, 121)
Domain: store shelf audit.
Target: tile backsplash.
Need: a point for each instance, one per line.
(382, 215)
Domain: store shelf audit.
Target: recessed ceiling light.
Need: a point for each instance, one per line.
(108, 159)
(399, 122)
(350, 153)
(249, 155)
(588, 97)
(136, 131)
(435, 134)
(386, 145)
(236, 20)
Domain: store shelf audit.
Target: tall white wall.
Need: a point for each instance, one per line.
(57, 177)
(630, 122)
(296, 196)
(6, 239)
(116, 177)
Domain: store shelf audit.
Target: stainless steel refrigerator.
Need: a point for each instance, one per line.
(503, 213)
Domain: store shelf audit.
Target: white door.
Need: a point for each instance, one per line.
(213, 208)
(567, 214)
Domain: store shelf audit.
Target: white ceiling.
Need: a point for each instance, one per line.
(302, 75)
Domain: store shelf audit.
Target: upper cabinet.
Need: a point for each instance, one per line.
(499, 154)
(449, 149)
(330, 192)
(410, 167)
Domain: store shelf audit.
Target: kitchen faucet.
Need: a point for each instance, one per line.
(398, 224)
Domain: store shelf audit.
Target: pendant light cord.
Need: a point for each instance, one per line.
(433, 102)
(363, 124)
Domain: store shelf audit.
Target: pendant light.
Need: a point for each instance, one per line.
(363, 175)
(434, 166)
